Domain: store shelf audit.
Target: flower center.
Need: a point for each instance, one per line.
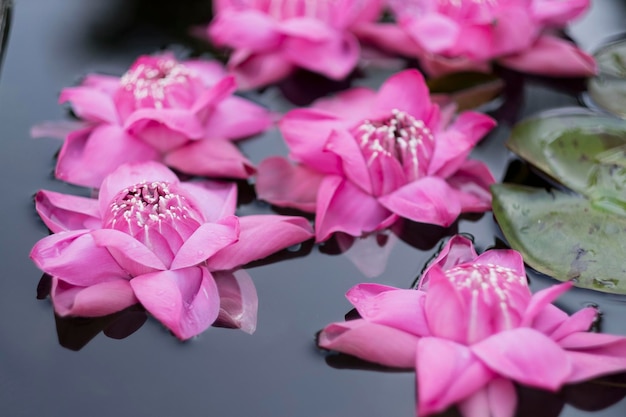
(487, 279)
(483, 10)
(323, 10)
(147, 205)
(401, 137)
(497, 296)
(150, 78)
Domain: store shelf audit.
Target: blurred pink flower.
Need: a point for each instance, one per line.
(453, 35)
(472, 329)
(167, 244)
(270, 38)
(366, 158)
(180, 113)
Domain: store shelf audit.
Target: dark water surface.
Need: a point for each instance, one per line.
(277, 372)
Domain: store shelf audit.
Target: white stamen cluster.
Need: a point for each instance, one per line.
(146, 204)
(316, 9)
(401, 136)
(490, 285)
(459, 3)
(150, 81)
(490, 278)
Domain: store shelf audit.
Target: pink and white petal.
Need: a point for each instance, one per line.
(214, 199)
(353, 104)
(497, 399)
(389, 37)
(99, 299)
(337, 202)
(334, 56)
(307, 28)
(210, 72)
(246, 29)
(435, 32)
(236, 118)
(540, 300)
(131, 255)
(285, 185)
(447, 372)
(457, 250)
(131, 174)
(361, 12)
(261, 236)
(67, 212)
(181, 123)
(88, 156)
(594, 355)
(306, 132)
(581, 321)
(549, 319)
(515, 31)
(505, 258)
(398, 308)
(106, 83)
(367, 290)
(426, 200)
(554, 57)
(471, 185)
(454, 145)
(406, 91)
(213, 96)
(353, 163)
(91, 104)
(446, 310)
(211, 158)
(57, 129)
(238, 300)
(526, 356)
(186, 301)
(590, 365)
(76, 258)
(593, 342)
(558, 13)
(254, 70)
(371, 342)
(206, 241)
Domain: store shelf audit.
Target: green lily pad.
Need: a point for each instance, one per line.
(582, 150)
(608, 88)
(564, 236)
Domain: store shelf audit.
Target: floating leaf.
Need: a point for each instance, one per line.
(608, 88)
(563, 235)
(582, 150)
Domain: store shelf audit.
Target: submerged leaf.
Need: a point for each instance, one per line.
(468, 90)
(582, 150)
(564, 235)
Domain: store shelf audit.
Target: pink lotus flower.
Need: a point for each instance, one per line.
(179, 113)
(167, 244)
(271, 38)
(453, 35)
(472, 329)
(366, 159)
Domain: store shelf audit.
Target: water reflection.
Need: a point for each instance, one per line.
(75, 332)
(6, 10)
(370, 253)
(238, 305)
(238, 310)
